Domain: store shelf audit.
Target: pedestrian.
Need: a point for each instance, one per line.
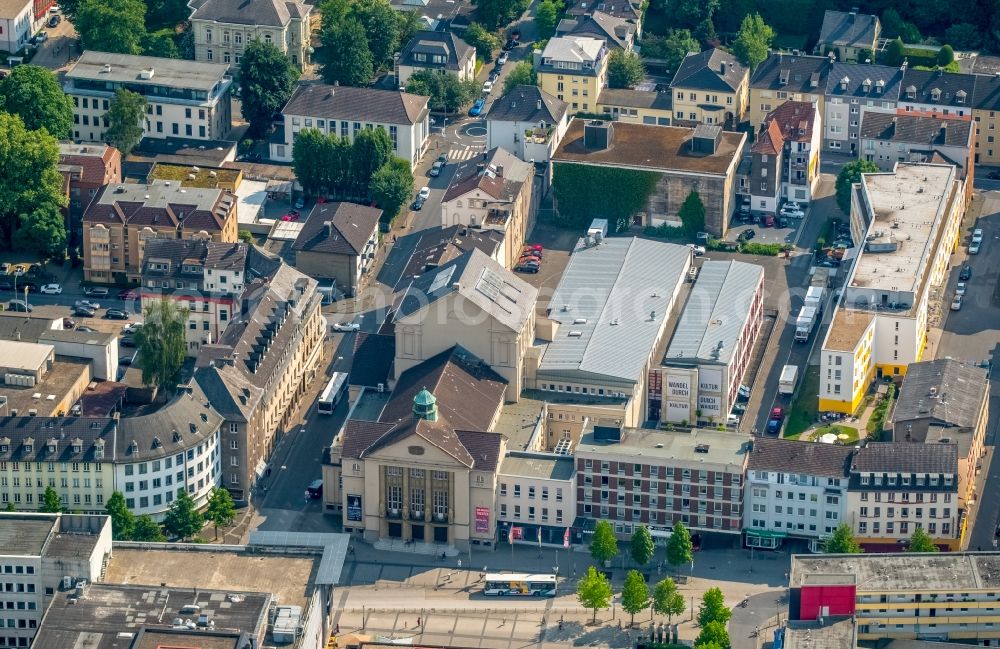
(418, 621)
(459, 563)
(337, 629)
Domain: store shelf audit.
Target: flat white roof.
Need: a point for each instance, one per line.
(250, 197)
(907, 205)
(24, 356)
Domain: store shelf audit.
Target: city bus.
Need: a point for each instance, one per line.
(332, 393)
(520, 584)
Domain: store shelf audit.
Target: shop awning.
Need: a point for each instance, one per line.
(766, 534)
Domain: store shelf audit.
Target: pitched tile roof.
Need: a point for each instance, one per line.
(456, 51)
(271, 13)
(792, 73)
(795, 121)
(96, 161)
(437, 247)
(162, 204)
(769, 141)
(373, 357)
(713, 69)
(207, 254)
(944, 390)
(950, 88)
(987, 95)
(914, 129)
(352, 225)
(617, 8)
(848, 29)
(527, 104)
(810, 458)
(358, 104)
(651, 99)
(906, 457)
(502, 176)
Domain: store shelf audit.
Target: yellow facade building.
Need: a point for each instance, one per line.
(711, 87)
(575, 70)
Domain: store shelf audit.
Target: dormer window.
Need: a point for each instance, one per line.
(99, 449)
(51, 446)
(935, 94)
(879, 86)
(156, 443)
(133, 448)
(911, 92)
(29, 445)
(960, 97)
(844, 83)
(867, 85)
(176, 437)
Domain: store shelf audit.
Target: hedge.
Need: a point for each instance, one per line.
(587, 192)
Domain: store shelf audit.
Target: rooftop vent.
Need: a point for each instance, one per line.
(701, 448)
(146, 73)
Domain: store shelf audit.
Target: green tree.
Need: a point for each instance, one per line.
(709, 645)
(603, 545)
(334, 12)
(267, 79)
(635, 594)
(625, 69)
(594, 590)
(921, 542)
(221, 509)
(688, 13)
(117, 26)
(392, 186)
(30, 182)
(713, 608)
(309, 160)
(147, 530)
(493, 14)
(446, 92)
(43, 230)
(381, 30)
(893, 25)
(964, 36)
(894, 52)
(672, 48)
(346, 57)
(409, 23)
(713, 634)
(69, 8)
(51, 504)
(33, 93)
(10, 507)
(246, 236)
(546, 18)
(945, 56)
(485, 41)
(161, 342)
(161, 43)
(641, 545)
(371, 149)
(753, 40)
(166, 13)
(122, 518)
(842, 541)
(522, 74)
(705, 31)
(125, 118)
(692, 213)
(666, 600)
(182, 519)
(850, 174)
(680, 550)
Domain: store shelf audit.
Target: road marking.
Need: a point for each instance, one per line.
(458, 155)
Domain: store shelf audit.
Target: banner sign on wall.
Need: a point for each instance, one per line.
(482, 519)
(353, 507)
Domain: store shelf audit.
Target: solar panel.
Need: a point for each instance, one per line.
(490, 284)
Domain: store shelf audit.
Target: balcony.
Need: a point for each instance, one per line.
(538, 135)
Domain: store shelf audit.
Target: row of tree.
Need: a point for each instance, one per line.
(842, 541)
(604, 545)
(132, 26)
(362, 170)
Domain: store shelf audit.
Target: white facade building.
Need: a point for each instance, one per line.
(528, 122)
(19, 20)
(186, 99)
(343, 111)
(536, 492)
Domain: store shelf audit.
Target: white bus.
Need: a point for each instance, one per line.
(520, 584)
(332, 393)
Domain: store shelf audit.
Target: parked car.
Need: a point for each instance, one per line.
(526, 268)
(502, 59)
(739, 408)
(315, 489)
(697, 251)
(19, 305)
(90, 304)
(128, 294)
(974, 248)
(509, 45)
(300, 203)
(535, 247)
(477, 107)
(86, 329)
(84, 312)
(424, 192)
(532, 250)
(291, 216)
(746, 235)
(346, 326)
(443, 158)
(116, 314)
(417, 204)
(966, 273)
(960, 289)
(977, 235)
(792, 211)
(743, 393)
(781, 221)
(132, 328)
(126, 341)
(487, 87)
(768, 220)
(51, 289)
(956, 304)
(54, 20)
(494, 76)
(96, 291)
(436, 169)
(68, 323)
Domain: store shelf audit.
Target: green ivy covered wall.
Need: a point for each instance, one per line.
(587, 192)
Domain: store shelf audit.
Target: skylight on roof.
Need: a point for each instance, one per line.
(442, 279)
(489, 284)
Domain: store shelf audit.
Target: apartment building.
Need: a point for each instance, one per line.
(633, 477)
(617, 32)
(785, 160)
(43, 554)
(796, 493)
(343, 111)
(493, 192)
(945, 401)
(339, 241)
(574, 69)
(637, 106)
(935, 93)
(605, 321)
(204, 277)
(123, 218)
(985, 109)
(702, 159)
(888, 139)
(850, 35)
(528, 122)
(438, 51)
(933, 598)
(472, 301)
(707, 358)
(186, 99)
(909, 222)
(787, 77)
(259, 371)
(87, 168)
(150, 458)
(536, 492)
(223, 28)
(853, 91)
(19, 21)
(710, 87)
(895, 487)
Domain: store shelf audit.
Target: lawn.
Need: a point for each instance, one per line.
(802, 414)
(837, 429)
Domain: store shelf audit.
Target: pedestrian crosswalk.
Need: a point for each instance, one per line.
(464, 153)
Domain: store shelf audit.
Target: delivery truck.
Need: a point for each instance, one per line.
(805, 323)
(786, 383)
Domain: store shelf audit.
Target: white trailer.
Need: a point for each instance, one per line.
(786, 384)
(805, 323)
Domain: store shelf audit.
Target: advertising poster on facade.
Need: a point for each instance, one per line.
(482, 519)
(353, 507)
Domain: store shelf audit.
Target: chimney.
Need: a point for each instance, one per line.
(500, 167)
(597, 134)
(328, 228)
(722, 68)
(943, 134)
(538, 104)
